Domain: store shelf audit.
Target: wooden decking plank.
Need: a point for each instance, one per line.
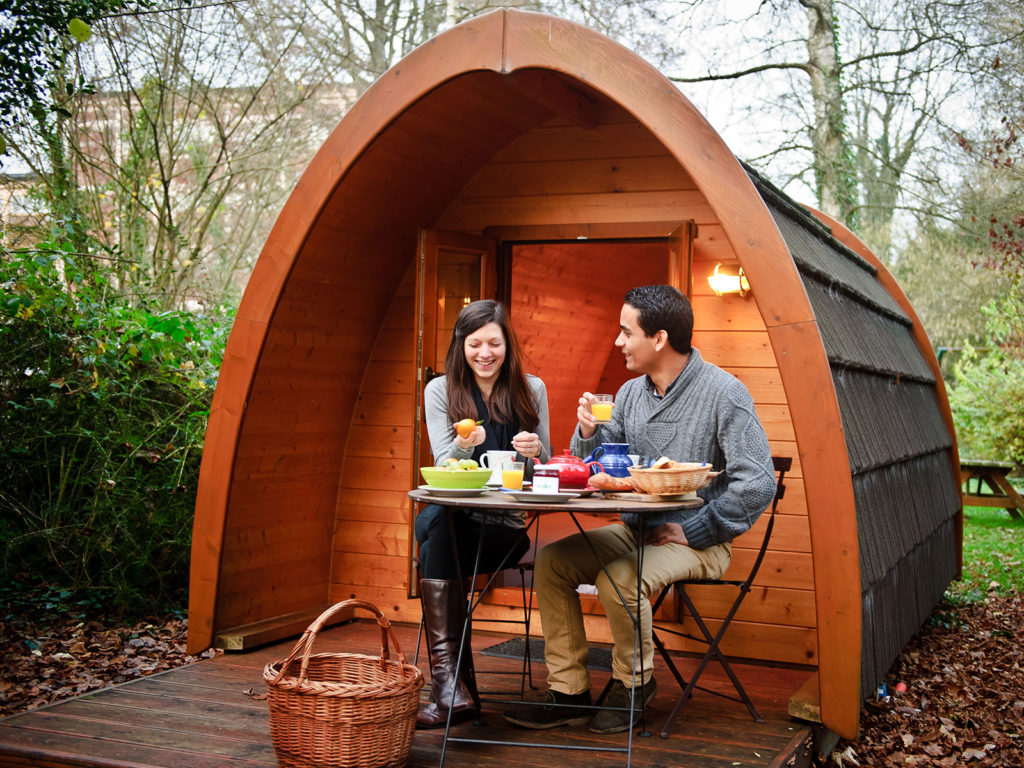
(173, 714)
(59, 750)
(174, 689)
(220, 677)
(141, 734)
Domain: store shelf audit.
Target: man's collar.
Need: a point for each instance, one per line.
(649, 382)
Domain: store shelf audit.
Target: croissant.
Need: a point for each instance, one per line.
(605, 482)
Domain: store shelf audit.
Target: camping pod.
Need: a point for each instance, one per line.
(522, 157)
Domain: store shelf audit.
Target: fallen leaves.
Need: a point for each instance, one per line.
(964, 700)
(61, 658)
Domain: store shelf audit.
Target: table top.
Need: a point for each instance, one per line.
(979, 464)
(596, 504)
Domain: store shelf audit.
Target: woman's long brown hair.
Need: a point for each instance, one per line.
(510, 397)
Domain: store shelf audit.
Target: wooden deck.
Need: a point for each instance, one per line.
(205, 716)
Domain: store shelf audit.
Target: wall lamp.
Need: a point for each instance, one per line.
(721, 282)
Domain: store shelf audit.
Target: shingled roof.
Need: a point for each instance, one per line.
(898, 444)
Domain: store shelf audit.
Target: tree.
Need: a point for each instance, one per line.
(874, 87)
(189, 162)
(37, 86)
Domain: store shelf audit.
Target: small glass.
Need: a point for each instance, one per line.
(601, 406)
(512, 475)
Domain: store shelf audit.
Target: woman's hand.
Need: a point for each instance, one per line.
(588, 424)
(528, 444)
(476, 437)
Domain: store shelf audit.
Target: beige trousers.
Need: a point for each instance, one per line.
(563, 565)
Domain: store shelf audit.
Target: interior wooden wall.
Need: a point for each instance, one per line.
(562, 174)
(565, 304)
(372, 529)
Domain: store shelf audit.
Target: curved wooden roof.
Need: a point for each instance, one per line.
(313, 314)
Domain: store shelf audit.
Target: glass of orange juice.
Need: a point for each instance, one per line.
(512, 475)
(601, 406)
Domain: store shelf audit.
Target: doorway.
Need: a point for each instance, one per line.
(564, 299)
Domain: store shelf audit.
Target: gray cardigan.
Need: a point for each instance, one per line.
(442, 433)
(706, 415)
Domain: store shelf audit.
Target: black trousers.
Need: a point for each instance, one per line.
(435, 544)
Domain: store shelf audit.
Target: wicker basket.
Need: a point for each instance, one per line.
(672, 481)
(342, 709)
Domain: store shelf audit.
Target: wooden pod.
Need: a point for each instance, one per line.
(526, 158)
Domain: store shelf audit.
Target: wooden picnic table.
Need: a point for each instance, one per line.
(992, 488)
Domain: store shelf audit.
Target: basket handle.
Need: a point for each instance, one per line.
(304, 646)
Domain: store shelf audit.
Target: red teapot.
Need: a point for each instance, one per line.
(573, 472)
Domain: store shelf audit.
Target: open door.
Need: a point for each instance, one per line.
(452, 270)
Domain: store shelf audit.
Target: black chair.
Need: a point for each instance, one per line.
(782, 465)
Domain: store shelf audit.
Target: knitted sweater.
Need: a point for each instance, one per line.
(706, 415)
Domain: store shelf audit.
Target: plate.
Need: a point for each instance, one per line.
(453, 491)
(583, 492)
(543, 498)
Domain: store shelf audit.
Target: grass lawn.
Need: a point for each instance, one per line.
(993, 555)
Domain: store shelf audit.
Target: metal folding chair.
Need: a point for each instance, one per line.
(782, 465)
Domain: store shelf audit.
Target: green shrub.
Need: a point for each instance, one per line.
(988, 387)
(103, 407)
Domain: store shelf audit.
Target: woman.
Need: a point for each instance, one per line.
(484, 380)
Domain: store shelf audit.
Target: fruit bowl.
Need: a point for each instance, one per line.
(437, 477)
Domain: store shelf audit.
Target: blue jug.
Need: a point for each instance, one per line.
(614, 458)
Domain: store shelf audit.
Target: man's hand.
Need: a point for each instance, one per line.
(588, 424)
(667, 533)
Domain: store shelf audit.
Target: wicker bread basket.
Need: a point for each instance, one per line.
(342, 710)
(672, 480)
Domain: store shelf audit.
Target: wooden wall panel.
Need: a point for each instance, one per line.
(371, 542)
(582, 176)
(472, 215)
(727, 348)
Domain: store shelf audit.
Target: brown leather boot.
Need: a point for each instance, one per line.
(444, 610)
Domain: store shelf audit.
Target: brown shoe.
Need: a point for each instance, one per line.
(554, 710)
(617, 718)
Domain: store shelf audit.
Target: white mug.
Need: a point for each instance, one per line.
(635, 458)
(494, 460)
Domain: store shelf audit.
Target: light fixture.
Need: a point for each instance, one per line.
(721, 282)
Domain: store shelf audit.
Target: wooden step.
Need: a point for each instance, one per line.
(247, 636)
(805, 704)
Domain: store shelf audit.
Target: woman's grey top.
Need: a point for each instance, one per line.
(442, 437)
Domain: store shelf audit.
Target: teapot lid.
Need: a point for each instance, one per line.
(567, 457)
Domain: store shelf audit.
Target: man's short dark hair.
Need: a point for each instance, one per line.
(663, 308)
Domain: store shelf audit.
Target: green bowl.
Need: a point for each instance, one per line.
(459, 478)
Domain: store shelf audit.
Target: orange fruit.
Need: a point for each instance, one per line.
(465, 427)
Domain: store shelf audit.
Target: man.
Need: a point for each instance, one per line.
(682, 407)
